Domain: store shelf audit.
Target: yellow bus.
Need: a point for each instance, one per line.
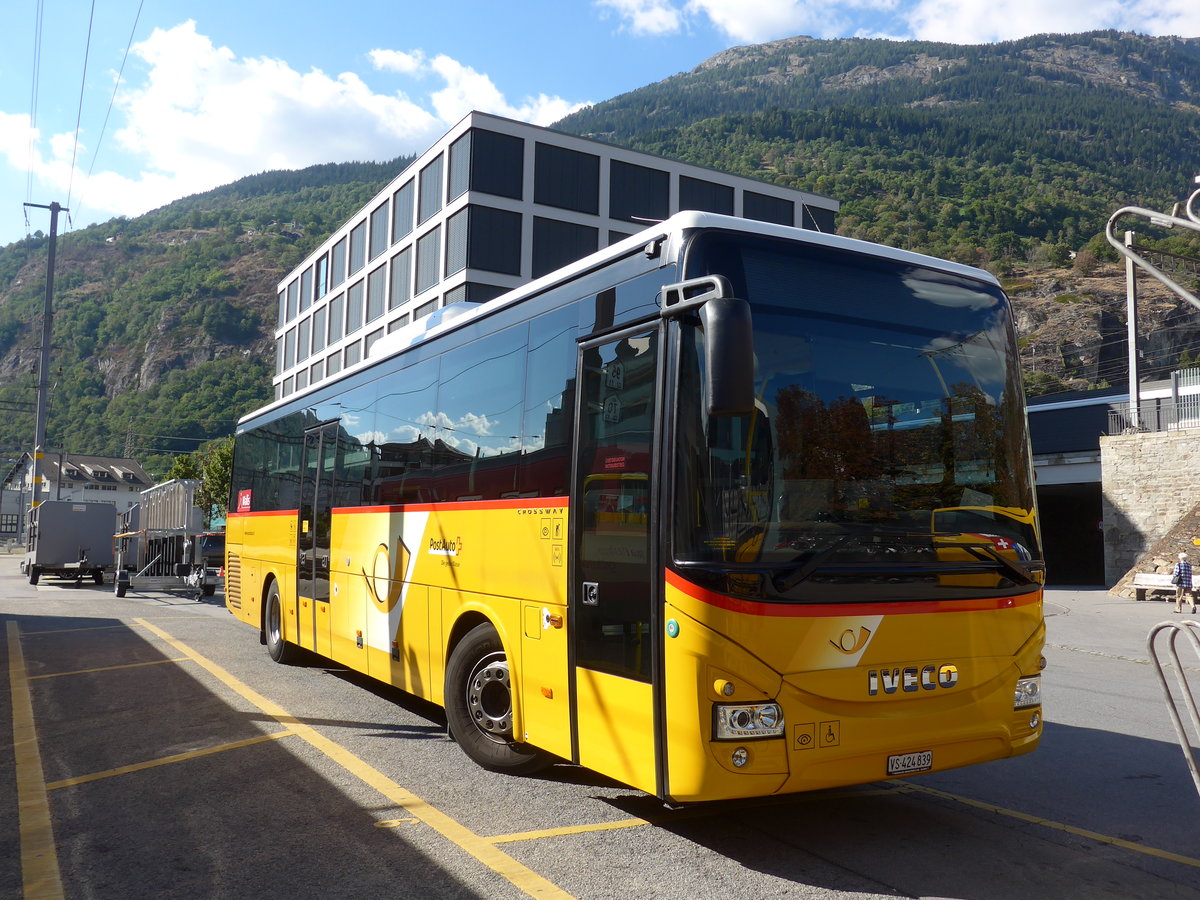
(687, 512)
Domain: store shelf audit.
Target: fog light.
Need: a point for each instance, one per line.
(740, 757)
(739, 721)
(1034, 721)
(1028, 692)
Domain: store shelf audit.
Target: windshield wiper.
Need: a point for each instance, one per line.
(989, 551)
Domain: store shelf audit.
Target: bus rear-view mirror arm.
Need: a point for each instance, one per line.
(728, 341)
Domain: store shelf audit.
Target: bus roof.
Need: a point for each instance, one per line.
(669, 232)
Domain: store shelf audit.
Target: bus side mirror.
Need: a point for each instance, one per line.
(728, 341)
(728, 357)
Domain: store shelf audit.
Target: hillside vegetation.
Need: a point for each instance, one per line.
(1009, 156)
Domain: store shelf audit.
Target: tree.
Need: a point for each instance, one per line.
(184, 467)
(216, 465)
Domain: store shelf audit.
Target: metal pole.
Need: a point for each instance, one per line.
(43, 395)
(1135, 418)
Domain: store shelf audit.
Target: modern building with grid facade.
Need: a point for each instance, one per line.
(492, 205)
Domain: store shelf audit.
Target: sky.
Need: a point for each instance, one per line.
(117, 107)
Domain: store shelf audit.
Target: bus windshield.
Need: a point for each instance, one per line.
(888, 444)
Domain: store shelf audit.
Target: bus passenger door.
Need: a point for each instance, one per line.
(614, 588)
(312, 540)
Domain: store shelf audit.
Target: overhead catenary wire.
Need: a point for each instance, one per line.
(33, 102)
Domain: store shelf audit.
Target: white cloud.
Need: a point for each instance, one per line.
(754, 21)
(646, 17)
(202, 117)
(983, 21)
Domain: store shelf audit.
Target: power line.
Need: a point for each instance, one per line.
(111, 101)
(87, 52)
(33, 100)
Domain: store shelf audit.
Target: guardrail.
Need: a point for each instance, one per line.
(1158, 414)
(1172, 630)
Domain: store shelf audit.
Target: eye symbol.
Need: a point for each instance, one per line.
(850, 643)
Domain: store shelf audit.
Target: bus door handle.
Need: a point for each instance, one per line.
(591, 593)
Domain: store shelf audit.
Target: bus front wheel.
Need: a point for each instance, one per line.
(479, 705)
(281, 651)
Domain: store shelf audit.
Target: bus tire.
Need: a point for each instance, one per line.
(479, 705)
(279, 649)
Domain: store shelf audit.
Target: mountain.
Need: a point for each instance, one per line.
(1010, 156)
(163, 324)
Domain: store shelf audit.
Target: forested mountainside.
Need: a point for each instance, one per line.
(163, 323)
(1010, 156)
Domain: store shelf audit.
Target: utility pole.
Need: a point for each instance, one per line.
(43, 391)
(1135, 394)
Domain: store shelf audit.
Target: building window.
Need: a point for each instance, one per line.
(303, 340)
(494, 242)
(429, 253)
(397, 323)
(401, 279)
(425, 309)
(459, 176)
(379, 229)
(322, 285)
(456, 241)
(337, 264)
(293, 294)
(371, 340)
(333, 364)
(337, 308)
(8, 523)
(279, 345)
(762, 208)
(376, 293)
(352, 354)
(289, 348)
(354, 307)
(358, 247)
(566, 178)
(283, 306)
(429, 200)
(815, 218)
(705, 196)
(402, 212)
(497, 163)
(636, 193)
(316, 372)
(318, 328)
(557, 243)
(306, 288)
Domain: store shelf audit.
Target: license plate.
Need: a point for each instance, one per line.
(907, 763)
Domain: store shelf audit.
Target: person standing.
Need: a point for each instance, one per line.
(1183, 571)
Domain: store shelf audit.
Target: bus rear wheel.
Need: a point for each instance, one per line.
(281, 651)
(479, 705)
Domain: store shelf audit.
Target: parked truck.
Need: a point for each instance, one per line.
(70, 539)
(162, 544)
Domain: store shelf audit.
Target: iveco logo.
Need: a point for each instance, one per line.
(911, 679)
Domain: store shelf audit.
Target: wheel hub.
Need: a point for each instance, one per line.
(489, 697)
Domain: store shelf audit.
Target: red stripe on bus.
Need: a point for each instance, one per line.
(262, 513)
(556, 503)
(828, 610)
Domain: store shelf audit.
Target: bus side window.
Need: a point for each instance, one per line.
(549, 405)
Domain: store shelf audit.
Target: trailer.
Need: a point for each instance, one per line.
(162, 544)
(69, 539)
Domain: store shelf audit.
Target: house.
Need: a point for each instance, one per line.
(69, 476)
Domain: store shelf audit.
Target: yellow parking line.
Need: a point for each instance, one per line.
(166, 760)
(567, 830)
(39, 857)
(479, 847)
(1057, 826)
(153, 662)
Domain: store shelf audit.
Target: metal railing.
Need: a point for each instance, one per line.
(1159, 414)
(1172, 630)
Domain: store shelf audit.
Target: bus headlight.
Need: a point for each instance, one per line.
(1028, 692)
(739, 721)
